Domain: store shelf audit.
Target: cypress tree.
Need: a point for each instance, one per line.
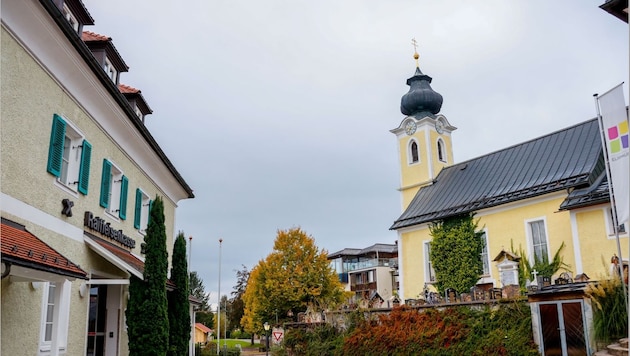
(147, 315)
(178, 305)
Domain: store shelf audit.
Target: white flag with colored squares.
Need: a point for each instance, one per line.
(614, 123)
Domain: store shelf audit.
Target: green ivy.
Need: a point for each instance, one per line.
(456, 253)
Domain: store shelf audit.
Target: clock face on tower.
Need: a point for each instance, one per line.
(410, 128)
(439, 126)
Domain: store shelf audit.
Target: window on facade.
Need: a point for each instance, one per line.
(538, 240)
(620, 228)
(110, 70)
(70, 17)
(114, 188)
(484, 255)
(440, 150)
(55, 312)
(429, 273)
(142, 210)
(413, 152)
(138, 112)
(69, 156)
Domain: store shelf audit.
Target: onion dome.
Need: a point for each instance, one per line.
(421, 100)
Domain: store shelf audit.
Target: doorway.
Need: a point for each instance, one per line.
(562, 328)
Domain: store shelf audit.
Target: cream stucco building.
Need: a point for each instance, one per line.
(78, 173)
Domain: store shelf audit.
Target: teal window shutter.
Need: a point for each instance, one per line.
(55, 150)
(84, 171)
(106, 182)
(149, 212)
(122, 211)
(138, 209)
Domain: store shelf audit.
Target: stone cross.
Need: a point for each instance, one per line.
(535, 274)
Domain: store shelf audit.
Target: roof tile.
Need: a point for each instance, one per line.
(22, 248)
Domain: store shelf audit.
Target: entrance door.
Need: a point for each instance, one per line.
(97, 320)
(562, 328)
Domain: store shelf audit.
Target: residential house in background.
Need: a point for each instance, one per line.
(371, 273)
(79, 172)
(202, 334)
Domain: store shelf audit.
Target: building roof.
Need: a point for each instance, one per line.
(80, 11)
(134, 94)
(596, 193)
(376, 248)
(203, 328)
(97, 41)
(617, 8)
(120, 257)
(21, 248)
(568, 158)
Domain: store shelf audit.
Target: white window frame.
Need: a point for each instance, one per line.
(485, 257)
(428, 266)
(530, 238)
(71, 166)
(111, 71)
(60, 311)
(441, 150)
(115, 187)
(138, 112)
(610, 224)
(70, 17)
(144, 212)
(410, 160)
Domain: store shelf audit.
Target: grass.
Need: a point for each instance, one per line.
(233, 342)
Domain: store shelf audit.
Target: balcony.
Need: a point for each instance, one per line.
(370, 263)
(363, 287)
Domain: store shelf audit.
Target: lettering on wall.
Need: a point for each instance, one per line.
(99, 225)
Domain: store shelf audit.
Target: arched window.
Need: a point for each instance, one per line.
(413, 152)
(441, 152)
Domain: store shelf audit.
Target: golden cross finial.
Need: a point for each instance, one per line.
(415, 51)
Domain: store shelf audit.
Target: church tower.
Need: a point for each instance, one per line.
(423, 136)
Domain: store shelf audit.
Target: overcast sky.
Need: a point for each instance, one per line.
(277, 113)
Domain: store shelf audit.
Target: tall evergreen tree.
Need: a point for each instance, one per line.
(178, 305)
(147, 316)
(198, 290)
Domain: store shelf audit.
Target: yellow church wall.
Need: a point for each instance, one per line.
(412, 174)
(448, 150)
(412, 260)
(507, 225)
(597, 242)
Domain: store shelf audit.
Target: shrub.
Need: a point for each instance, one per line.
(610, 317)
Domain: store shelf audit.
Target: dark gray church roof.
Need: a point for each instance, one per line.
(597, 193)
(568, 158)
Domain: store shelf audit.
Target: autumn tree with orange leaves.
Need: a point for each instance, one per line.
(296, 274)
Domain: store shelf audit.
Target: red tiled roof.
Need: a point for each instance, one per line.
(126, 89)
(203, 328)
(123, 254)
(89, 36)
(128, 258)
(24, 249)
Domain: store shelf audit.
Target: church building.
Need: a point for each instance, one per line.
(536, 195)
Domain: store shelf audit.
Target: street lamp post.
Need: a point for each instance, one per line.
(266, 326)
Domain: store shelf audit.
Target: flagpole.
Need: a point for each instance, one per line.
(611, 196)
